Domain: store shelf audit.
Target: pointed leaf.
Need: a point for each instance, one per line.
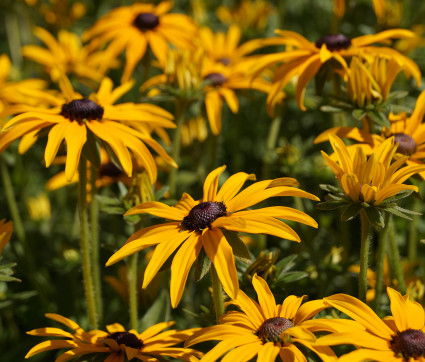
(239, 248)
(375, 217)
(351, 211)
(202, 265)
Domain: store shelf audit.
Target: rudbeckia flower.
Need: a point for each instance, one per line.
(202, 224)
(265, 329)
(304, 58)
(370, 180)
(224, 48)
(408, 132)
(399, 337)
(15, 92)
(115, 344)
(81, 121)
(67, 55)
(135, 27)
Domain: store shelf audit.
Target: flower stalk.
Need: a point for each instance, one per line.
(85, 246)
(132, 292)
(217, 294)
(95, 248)
(380, 260)
(364, 254)
(395, 258)
(181, 106)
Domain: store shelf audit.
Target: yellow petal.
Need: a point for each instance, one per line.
(265, 297)
(211, 184)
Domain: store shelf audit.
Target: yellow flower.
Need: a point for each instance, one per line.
(203, 224)
(114, 344)
(371, 180)
(388, 12)
(370, 83)
(6, 230)
(224, 48)
(15, 92)
(194, 129)
(303, 58)
(67, 55)
(408, 132)
(80, 120)
(265, 329)
(248, 14)
(135, 27)
(399, 337)
(39, 207)
(415, 286)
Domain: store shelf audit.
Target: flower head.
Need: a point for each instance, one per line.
(203, 224)
(115, 343)
(304, 58)
(371, 180)
(265, 328)
(135, 27)
(67, 55)
(79, 121)
(408, 132)
(400, 337)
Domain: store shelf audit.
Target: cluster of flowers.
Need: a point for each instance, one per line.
(197, 64)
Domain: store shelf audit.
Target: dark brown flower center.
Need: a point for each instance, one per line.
(202, 215)
(110, 169)
(80, 109)
(126, 338)
(215, 79)
(334, 42)
(224, 61)
(406, 144)
(146, 21)
(409, 343)
(271, 329)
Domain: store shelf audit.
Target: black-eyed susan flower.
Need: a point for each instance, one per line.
(399, 337)
(408, 132)
(138, 26)
(303, 58)
(67, 55)
(203, 224)
(265, 329)
(80, 121)
(248, 14)
(224, 48)
(114, 344)
(368, 182)
(14, 92)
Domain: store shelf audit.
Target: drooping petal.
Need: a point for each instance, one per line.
(221, 255)
(181, 265)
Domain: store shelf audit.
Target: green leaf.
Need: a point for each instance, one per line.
(330, 109)
(375, 217)
(8, 278)
(330, 188)
(329, 205)
(239, 248)
(351, 211)
(161, 192)
(401, 195)
(202, 265)
(291, 277)
(379, 118)
(394, 211)
(282, 266)
(158, 312)
(358, 114)
(397, 95)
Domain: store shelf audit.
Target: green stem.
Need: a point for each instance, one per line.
(412, 248)
(217, 294)
(364, 255)
(395, 258)
(85, 245)
(380, 261)
(18, 226)
(95, 248)
(132, 292)
(180, 110)
(19, 230)
(270, 154)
